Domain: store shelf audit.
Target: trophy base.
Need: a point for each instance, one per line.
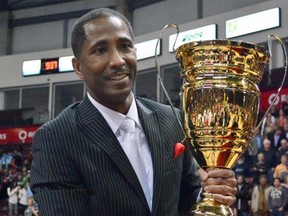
(208, 206)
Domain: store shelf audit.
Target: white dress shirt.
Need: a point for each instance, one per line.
(114, 120)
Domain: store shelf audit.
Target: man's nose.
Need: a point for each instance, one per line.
(116, 59)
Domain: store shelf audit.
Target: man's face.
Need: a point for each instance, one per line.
(284, 144)
(284, 159)
(240, 179)
(260, 157)
(263, 180)
(277, 182)
(266, 144)
(278, 132)
(108, 61)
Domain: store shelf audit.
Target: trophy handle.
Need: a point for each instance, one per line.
(285, 71)
(158, 68)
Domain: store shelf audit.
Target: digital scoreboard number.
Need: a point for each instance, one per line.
(49, 66)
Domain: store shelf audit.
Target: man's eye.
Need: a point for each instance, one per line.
(99, 50)
(126, 46)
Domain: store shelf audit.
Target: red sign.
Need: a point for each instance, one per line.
(267, 98)
(17, 135)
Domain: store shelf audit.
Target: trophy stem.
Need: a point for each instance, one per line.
(208, 206)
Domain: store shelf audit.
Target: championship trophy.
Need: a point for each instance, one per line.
(219, 104)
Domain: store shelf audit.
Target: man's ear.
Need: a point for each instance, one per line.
(77, 67)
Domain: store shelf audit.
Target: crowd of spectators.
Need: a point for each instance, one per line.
(262, 171)
(15, 183)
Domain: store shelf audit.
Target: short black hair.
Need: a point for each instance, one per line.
(277, 178)
(78, 35)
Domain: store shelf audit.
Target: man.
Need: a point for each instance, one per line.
(260, 194)
(282, 167)
(275, 137)
(243, 196)
(257, 143)
(283, 149)
(82, 165)
(242, 168)
(270, 157)
(285, 130)
(277, 199)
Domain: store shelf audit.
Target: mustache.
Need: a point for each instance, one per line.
(120, 70)
(117, 72)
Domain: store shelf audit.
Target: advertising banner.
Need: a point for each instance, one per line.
(17, 135)
(267, 98)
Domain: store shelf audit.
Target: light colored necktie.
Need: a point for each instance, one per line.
(131, 146)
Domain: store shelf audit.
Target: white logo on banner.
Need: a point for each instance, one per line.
(3, 136)
(22, 135)
(271, 99)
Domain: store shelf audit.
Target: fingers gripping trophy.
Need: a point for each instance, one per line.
(219, 103)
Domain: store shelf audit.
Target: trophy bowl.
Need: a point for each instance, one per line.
(219, 103)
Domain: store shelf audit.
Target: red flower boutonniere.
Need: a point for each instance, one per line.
(178, 150)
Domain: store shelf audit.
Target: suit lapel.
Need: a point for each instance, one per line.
(93, 126)
(151, 125)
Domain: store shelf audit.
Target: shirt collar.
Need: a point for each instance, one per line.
(113, 118)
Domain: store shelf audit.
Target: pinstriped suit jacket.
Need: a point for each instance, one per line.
(79, 167)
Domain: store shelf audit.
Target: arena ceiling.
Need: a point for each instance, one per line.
(8, 5)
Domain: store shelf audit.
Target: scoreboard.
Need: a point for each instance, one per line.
(47, 66)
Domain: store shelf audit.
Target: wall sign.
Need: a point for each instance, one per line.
(146, 49)
(203, 33)
(253, 23)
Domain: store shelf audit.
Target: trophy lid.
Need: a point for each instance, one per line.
(227, 57)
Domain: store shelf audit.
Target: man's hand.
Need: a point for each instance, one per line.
(221, 183)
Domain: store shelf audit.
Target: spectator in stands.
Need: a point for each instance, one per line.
(24, 171)
(2, 173)
(282, 167)
(257, 142)
(32, 209)
(275, 137)
(283, 149)
(260, 194)
(281, 119)
(284, 184)
(241, 168)
(17, 156)
(285, 130)
(284, 179)
(20, 179)
(26, 178)
(284, 104)
(12, 170)
(27, 164)
(274, 111)
(268, 124)
(277, 199)
(6, 158)
(270, 157)
(23, 199)
(242, 197)
(260, 167)
(12, 192)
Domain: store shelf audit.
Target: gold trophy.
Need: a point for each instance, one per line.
(219, 103)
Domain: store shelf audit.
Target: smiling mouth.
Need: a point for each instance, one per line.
(119, 76)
